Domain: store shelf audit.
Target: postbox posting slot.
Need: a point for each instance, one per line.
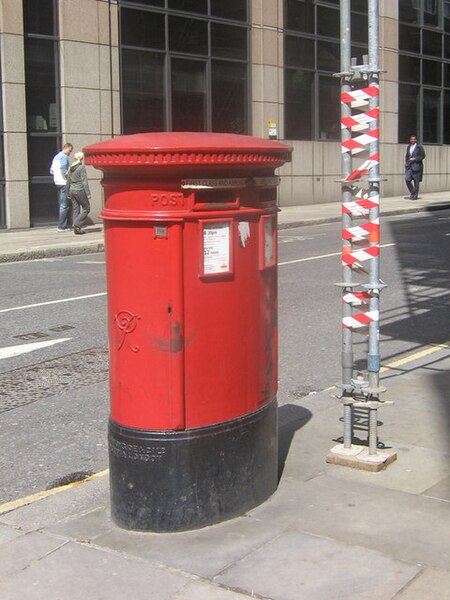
(216, 199)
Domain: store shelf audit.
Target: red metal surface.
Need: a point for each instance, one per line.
(188, 347)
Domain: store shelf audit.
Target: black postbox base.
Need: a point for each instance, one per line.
(167, 481)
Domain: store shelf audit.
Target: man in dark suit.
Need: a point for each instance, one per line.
(414, 166)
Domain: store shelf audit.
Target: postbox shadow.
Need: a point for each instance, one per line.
(291, 418)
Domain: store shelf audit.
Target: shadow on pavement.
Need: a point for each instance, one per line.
(291, 418)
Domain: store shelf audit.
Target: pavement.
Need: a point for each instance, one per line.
(328, 532)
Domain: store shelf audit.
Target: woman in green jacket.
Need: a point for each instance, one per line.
(78, 191)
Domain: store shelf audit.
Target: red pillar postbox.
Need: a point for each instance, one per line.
(190, 239)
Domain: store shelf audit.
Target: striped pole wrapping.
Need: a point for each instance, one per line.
(356, 298)
(350, 256)
(360, 320)
(364, 168)
(360, 232)
(358, 144)
(360, 98)
(361, 121)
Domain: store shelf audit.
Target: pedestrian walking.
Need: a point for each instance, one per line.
(78, 191)
(414, 166)
(59, 169)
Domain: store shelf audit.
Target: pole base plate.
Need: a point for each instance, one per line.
(358, 457)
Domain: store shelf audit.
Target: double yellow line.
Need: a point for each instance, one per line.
(14, 504)
(20, 502)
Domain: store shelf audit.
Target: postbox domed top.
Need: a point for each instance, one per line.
(183, 149)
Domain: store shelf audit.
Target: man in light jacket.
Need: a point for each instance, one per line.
(59, 170)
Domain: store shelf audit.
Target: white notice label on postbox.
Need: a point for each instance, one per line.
(216, 248)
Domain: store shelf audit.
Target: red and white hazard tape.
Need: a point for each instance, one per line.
(361, 319)
(356, 298)
(359, 98)
(358, 144)
(360, 232)
(361, 121)
(350, 257)
(364, 168)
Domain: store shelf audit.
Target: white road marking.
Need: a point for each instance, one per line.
(73, 299)
(298, 260)
(11, 351)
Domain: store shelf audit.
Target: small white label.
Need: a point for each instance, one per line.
(160, 231)
(269, 250)
(216, 248)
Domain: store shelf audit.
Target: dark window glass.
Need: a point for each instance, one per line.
(41, 151)
(335, 2)
(144, 2)
(229, 97)
(228, 41)
(359, 52)
(43, 203)
(328, 22)
(195, 6)
(328, 57)
(188, 35)
(142, 91)
(2, 163)
(2, 207)
(447, 74)
(431, 116)
(299, 52)
(431, 72)
(409, 11)
(409, 69)
(229, 9)
(329, 108)
(188, 95)
(447, 45)
(299, 16)
(142, 28)
(38, 17)
(447, 16)
(431, 43)
(409, 38)
(41, 95)
(299, 104)
(431, 12)
(408, 118)
(446, 127)
(359, 28)
(359, 5)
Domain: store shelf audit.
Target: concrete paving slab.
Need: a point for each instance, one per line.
(85, 527)
(203, 552)
(441, 490)
(430, 584)
(298, 565)
(22, 552)
(406, 527)
(7, 534)
(415, 470)
(201, 590)
(80, 572)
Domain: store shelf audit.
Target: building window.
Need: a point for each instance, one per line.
(42, 105)
(424, 63)
(184, 65)
(311, 57)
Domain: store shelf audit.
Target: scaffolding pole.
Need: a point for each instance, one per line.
(360, 187)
